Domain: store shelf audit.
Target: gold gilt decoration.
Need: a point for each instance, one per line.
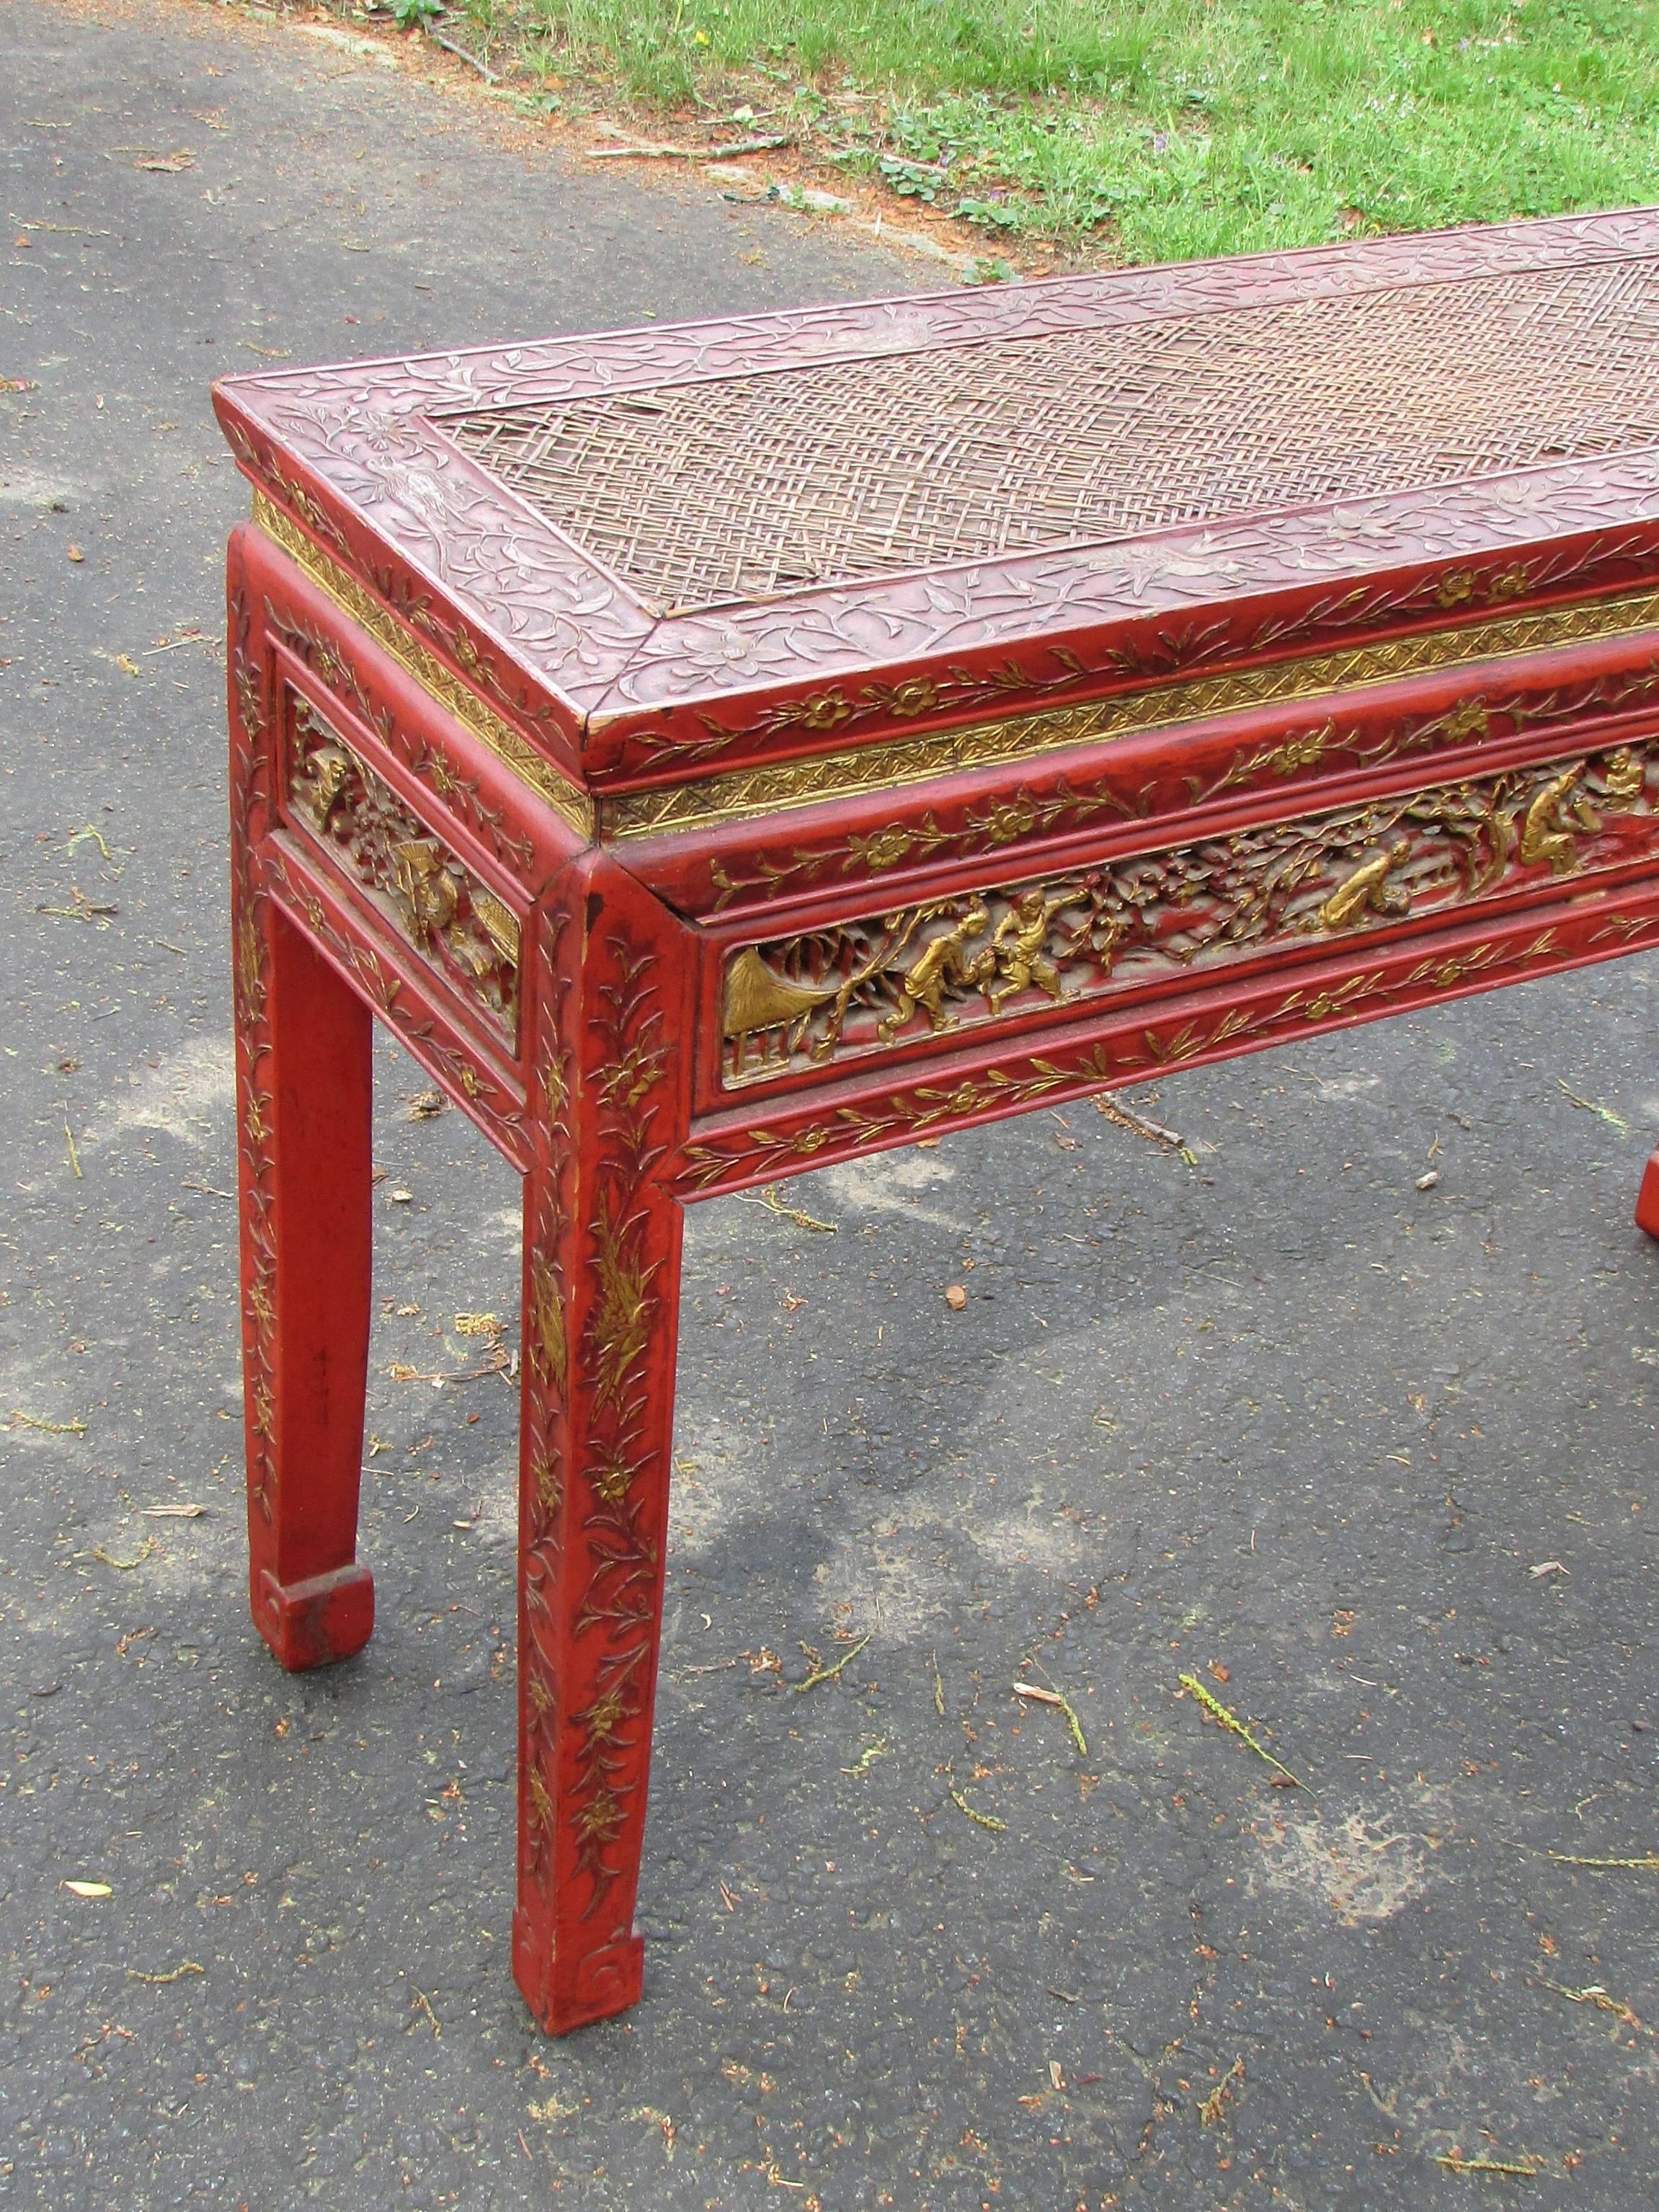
(739, 793)
(763, 1153)
(250, 796)
(961, 961)
(620, 1598)
(567, 800)
(439, 905)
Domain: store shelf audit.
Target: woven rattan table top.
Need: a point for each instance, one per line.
(737, 487)
(644, 535)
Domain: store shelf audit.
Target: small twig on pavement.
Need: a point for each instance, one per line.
(1055, 1698)
(979, 1819)
(1648, 1863)
(1231, 1722)
(828, 1673)
(773, 1204)
(1106, 1105)
(1454, 2164)
(1594, 1994)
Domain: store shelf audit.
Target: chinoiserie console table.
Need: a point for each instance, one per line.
(719, 750)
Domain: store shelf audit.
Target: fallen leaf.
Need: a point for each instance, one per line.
(174, 1512)
(167, 165)
(76, 554)
(87, 1888)
(126, 666)
(401, 1197)
(1546, 1567)
(955, 1297)
(1428, 1182)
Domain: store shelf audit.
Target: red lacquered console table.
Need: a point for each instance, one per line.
(718, 750)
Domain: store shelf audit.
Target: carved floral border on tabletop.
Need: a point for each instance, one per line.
(1037, 809)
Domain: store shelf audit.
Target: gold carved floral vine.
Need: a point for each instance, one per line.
(598, 1424)
(740, 793)
(996, 825)
(249, 797)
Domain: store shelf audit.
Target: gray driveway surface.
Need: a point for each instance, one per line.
(1277, 1417)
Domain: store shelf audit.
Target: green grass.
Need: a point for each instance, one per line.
(1161, 130)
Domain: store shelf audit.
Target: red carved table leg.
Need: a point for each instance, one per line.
(607, 1008)
(303, 1074)
(601, 1294)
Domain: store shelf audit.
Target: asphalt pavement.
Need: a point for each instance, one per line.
(1370, 1462)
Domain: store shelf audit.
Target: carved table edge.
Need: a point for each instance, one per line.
(532, 767)
(769, 789)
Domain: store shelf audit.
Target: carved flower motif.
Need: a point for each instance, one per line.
(463, 649)
(916, 696)
(1299, 752)
(824, 710)
(1456, 588)
(885, 849)
(1509, 583)
(1469, 718)
(1013, 817)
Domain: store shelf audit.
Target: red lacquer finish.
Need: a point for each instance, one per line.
(304, 1090)
(601, 1286)
(675, 899)
(1647, 1199)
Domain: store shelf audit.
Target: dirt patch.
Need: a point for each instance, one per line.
(1366, 1870)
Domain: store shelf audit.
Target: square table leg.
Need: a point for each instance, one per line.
(601, 1294)
(304, 1081)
